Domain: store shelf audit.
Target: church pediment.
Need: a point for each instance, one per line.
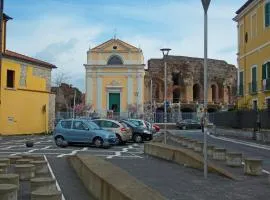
(115, 45)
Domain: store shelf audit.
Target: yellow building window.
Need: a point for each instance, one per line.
(267, 14)
(10, 78)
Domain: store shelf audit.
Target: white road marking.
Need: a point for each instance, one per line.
(9, 147)
(37, 142)
(52, 174)
(32, 150)
(259, 146)
(84, 149)
(68, 154)
(47, 147)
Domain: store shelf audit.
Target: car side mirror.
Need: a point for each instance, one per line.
(87, 129)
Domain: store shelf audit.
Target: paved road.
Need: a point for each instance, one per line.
(70, 185)
(45, 145)
(248, 149)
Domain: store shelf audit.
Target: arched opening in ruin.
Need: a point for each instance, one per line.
(176, 95)
(214, 93)
(196, 92)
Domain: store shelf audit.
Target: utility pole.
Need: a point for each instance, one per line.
(205, 4)
(74, 104)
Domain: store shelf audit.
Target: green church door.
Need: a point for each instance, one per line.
(114, 102)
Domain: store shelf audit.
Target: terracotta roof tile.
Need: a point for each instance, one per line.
(28, 59)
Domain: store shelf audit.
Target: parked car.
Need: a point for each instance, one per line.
(122, 132)
(82, 131)
(143, 123)
(156, 127)
(139, 134)
(188, 124)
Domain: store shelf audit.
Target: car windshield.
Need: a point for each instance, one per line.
(129, 124)
(93, 126)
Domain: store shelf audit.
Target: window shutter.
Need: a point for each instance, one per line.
(267, 66)
(264, 71)
(267, 14)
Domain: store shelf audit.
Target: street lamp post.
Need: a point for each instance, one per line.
(165, 52)
(205, 4)
(151, 92)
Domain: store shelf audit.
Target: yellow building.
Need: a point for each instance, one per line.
(253, 20)
(26, 103)
(115, 77)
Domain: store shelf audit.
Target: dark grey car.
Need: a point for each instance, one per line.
(188, 124)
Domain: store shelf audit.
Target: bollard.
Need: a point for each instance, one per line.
(43, 184)
(25, 171)
(9, 179)
(234, 159)
(210, 149)
(185, 142)
(253, 166)
(13, 159)
(8, 192)
(219, 154)
(198, 147)
(5, 160)
(3, 167)
(23, 161)
(46, 195)
(41, 166)
(42, 175)
(191, 144)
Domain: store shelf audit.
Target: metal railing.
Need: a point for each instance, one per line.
(266, 84)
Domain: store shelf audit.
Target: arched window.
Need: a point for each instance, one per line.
(196, 92)
(115, 60)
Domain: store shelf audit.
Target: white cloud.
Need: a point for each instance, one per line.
(64, 37)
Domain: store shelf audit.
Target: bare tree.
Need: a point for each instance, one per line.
(61, 77)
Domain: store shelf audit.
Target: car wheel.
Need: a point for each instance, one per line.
(60, 142)
(137, 138)
(184, 127)
(120, 141)
(98, 142)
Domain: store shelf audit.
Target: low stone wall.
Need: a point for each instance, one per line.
(263, 135)
(108, 182)
(183, 156)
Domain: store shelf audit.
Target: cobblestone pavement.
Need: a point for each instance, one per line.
(177, 182)
(14, 145)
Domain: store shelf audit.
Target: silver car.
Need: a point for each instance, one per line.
(122, 132)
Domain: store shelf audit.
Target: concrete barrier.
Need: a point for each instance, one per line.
(253, 166)
(8, 192)
(46, 195)
(106, 181)
(234, 159)
(3, 167)
(9, 179)
(25, 171)
(210, 150)
(41, 166)
(219, 154)
(23, 161)
(43, 184)
(184, 156)
(13, 159)
(5, 160)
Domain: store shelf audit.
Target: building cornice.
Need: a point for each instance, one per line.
(246, 10)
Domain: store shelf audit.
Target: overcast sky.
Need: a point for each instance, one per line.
(61, 31)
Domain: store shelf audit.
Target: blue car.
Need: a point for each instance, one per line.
(82, 131)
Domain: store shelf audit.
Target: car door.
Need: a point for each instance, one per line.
(79, 131)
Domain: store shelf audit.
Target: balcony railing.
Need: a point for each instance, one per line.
(253, 88)
(240, 90)
(266, 84)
